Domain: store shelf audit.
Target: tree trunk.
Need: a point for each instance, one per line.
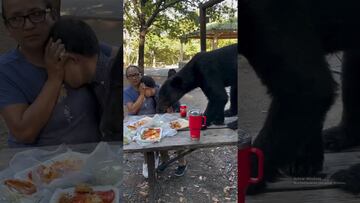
(181, 57)
(141, 49)
(153, 59)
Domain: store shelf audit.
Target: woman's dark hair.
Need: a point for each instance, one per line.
(76, 35)
(148, 81)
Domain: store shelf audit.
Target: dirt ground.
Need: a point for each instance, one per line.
(211, 174)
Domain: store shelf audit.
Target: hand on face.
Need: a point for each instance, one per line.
(142, 88)
(149, 92)
(55, 58)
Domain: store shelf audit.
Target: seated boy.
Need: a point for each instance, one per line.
(88, 62)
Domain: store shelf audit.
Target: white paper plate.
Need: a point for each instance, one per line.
(58, 192)
(64, 156)
(145, 120)
(184, 123)
(150, 141)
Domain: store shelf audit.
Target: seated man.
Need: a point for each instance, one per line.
(87, 63)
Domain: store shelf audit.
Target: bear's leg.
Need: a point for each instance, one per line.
(347, 133)
(302, 88)
(233, 110)
(215, 91)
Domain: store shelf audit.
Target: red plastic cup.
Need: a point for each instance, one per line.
(244, 167)
(183, 110)
(196, 122)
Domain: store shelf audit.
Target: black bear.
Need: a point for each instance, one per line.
(211, 71)
(286, 43)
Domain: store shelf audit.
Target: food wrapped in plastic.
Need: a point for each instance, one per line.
(62, 168)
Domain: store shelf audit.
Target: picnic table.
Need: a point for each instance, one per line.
(7, 154)
(213, 136)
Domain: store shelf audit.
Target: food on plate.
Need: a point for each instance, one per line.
(139, 123)
(151, 134)
(22, 186)
(55, 170)
(83, 188)
(131, 127)
(175, 125)
(179, 124)
(86, 194)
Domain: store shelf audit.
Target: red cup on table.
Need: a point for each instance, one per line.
(196, 122)
(183, 110)
(244, 168)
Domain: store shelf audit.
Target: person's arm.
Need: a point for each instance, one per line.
(135, 107)
(26, 121)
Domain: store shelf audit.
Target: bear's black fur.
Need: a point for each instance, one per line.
(211, 71)
(286, 43)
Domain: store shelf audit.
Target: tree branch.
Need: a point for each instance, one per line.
(159, 9)
(136, 8)
(170, 4)
(155, 13)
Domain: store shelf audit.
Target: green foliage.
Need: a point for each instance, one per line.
(164, 33)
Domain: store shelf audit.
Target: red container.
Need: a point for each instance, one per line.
(196, 122)
(244, 167)
(183, 110)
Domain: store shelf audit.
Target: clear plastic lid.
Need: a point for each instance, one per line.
(195, 112)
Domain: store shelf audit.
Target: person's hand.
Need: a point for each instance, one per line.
(142, 88)
(55, 58)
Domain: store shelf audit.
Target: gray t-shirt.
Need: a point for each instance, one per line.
(75, 116)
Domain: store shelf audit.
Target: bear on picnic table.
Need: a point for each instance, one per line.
(286, 43)
(211, 71)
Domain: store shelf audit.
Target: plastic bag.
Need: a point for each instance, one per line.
(102, 167)
(128, 135)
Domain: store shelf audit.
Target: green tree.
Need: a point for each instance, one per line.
(163, 17)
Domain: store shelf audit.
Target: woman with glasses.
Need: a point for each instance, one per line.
(36, 105)
(139, 98)
(135, 99)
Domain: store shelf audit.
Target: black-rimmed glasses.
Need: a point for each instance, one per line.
(135, 75)
(17, 22)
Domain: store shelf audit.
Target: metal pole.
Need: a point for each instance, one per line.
(202, 28)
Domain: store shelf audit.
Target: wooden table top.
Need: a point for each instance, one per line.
(213, 136)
